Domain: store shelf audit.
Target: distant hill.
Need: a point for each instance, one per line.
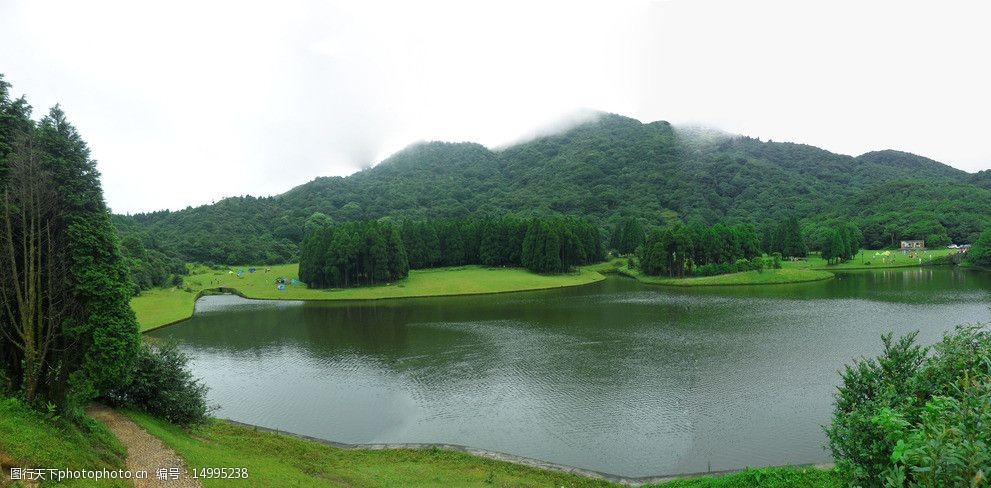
(609, 167)
(921, 166)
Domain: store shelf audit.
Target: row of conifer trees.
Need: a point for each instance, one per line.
(370, 252)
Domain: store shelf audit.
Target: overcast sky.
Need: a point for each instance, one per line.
(186, 102)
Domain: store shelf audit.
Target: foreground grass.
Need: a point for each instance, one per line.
(29, 439)
(279, 460)
(155, 308)
(783, 477)
(274, 459)
(870, 259)
(765, 277)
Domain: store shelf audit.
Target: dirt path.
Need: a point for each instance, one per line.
(144, 451)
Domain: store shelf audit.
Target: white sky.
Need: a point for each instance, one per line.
(186, 102)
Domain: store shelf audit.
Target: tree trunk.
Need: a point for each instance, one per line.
(31, 292)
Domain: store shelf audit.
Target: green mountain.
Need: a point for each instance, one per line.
(605, 169)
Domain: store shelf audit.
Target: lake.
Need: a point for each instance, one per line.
(617, 376)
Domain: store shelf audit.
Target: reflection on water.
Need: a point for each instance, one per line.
(616, 376)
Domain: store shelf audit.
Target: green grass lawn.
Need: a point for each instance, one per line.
(279, 460)
(29, 439)
(869, 259)
(155, 308)
(765, 277)
(274, 459)
(778, 477)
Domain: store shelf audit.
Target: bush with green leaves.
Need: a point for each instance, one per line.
(162, 385)
(917, 416)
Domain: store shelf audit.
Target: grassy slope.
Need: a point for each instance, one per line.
(155, 308)
(278, 460)
(29, 440)
(288, 461)
(867, 260)
(766, 277)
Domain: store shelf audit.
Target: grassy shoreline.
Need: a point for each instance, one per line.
(281, 460)
(746, 278)
(275, 459)
(812, 268)
(165, 306)
(290, 460)
(870, 259)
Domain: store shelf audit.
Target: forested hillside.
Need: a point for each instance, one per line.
(607, 169)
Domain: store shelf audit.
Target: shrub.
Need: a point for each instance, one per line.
(951, 444)
(908, 418)
(162, 385)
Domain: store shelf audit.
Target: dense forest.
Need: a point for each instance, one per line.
(678, 250)
(609, 170)
(356, 253)
(351, 254)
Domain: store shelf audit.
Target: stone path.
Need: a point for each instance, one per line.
(144, 451)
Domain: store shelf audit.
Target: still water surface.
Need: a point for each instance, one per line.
(617, 376)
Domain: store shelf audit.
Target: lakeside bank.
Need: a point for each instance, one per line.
(278, 459)
(745, 278)
(165, 306)
(282, 457)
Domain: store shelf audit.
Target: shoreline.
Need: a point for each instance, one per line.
(521, 460)
(597, 271)
(876, 268)
(698, 281)
(597, 277)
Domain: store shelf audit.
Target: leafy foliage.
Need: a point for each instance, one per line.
(677, 250)
(368, 252)
(352, 254)
(91, 346)
(627, 235)
(786, 239)
(162, 385)
(907, 418)
(980, 253)
(150, 267)
(840, 242)
(555, 245)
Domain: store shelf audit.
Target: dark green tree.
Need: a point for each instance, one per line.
(787, 239)
(833, 247)
(627, 235)
(980, 252)
(61, 262)
(100, 346)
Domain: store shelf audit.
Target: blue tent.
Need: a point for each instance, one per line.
(282, 287)
(251, 270)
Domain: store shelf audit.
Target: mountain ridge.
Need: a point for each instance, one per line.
(605, 168)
